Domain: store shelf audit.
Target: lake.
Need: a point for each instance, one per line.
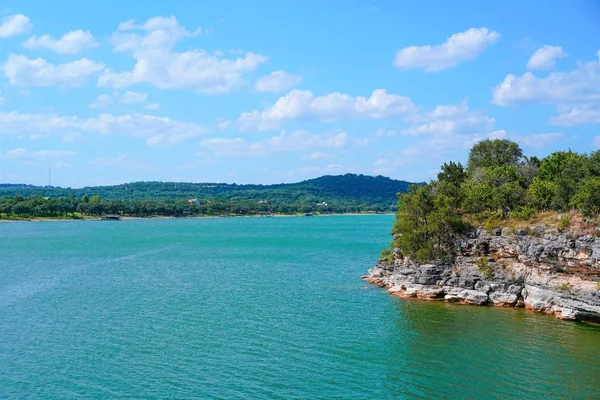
(256, 308)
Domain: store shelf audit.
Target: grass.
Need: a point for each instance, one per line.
(565, 288)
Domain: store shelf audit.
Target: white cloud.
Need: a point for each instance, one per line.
(303, 105)
(152, 106)
(537, 139)
(297, 141)
(450, 119)
(133, 97)
(597, 142)
(70, 43)
(314, 170)
(21, 153)
(385, 133)
(223, 124)
(315, 156)
(459, 47)
(23, 71)
(545, 57)
(158, 131)
(582, 84)
(14, 25)
(102, 101)
(117, 161)
(61, 164)
(158, 65)
(278, 81)
(579, 115)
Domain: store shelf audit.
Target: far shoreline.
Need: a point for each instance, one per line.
(128, 218)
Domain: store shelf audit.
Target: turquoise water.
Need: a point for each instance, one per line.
(256, 308)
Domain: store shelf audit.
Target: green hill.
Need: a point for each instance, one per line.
(341, 193)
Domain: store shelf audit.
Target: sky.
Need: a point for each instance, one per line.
(281, 91)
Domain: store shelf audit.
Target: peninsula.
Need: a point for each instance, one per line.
(507, 230)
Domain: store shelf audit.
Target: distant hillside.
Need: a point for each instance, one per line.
(349, 188)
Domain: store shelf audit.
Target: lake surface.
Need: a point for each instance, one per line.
(256, 308)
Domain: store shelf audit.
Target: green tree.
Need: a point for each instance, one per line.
(540, 194)
(426, 225)
(494, 153)
(587, 198)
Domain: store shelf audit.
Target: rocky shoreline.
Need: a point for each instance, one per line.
(539, 269)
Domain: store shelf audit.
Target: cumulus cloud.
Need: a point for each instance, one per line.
(152, 106)
(315, 156)
(70, 43)
(297, 141)
(449, 119)
(151, 45)
(303, 105)
(575, 93)
(536, 140)
(133, 97)
(459, 47)
(105, 161)
(278, 81)
(158, 131)
(24, 154)
(104, 100)
(578, 115)
(582, 84)
(14, 25)
(22, 71)
(545, 57)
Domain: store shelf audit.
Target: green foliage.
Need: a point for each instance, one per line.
(499, 183)
(540, 194)
(564, 223)
(494, 153)
(484, 266)
(427, 224)
(587, 198)
(523, 213)
(387, 254)
(342, 194)
(493, 188)
(565, 287)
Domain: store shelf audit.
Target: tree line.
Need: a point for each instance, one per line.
(93, 206)
(499, 182)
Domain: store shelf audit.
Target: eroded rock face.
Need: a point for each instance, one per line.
(545, 272)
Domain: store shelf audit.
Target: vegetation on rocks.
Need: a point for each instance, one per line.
(499, 184)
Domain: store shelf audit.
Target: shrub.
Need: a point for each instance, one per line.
(523, 213)
(565, 288)
(564, 223)
(485, 267)
(387, 254)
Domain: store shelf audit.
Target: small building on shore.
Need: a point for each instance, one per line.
(110, 218)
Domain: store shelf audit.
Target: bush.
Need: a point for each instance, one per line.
(387, 254)
(485, 267)
(523, 213)
(564, 223)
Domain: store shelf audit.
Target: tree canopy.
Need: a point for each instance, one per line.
(500, 182)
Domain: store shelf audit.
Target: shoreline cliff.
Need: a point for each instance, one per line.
(539, 269)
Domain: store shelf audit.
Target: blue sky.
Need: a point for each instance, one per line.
(281, 91)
